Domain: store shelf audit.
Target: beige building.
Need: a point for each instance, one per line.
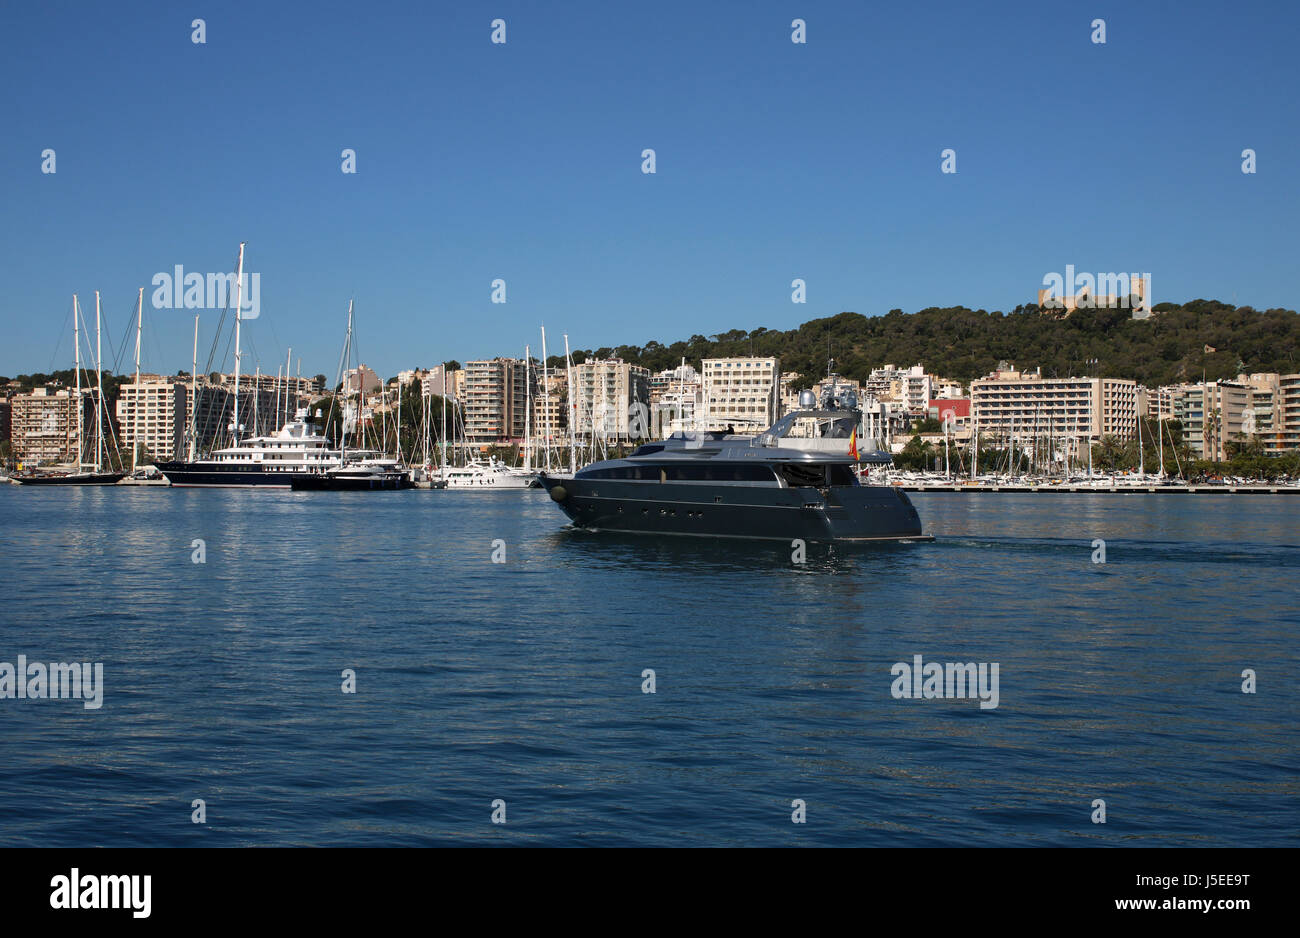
(494, 400)
(1213, 415)
(1287, 435)
(157, 412)
(43, 426)
(675, 400)
(911, 389)
(612, 399)
(789, 393)
(550, 408)
(435, 381)
(1009, 403)
(361, 379)
(293, 388)
(154, 415)
(1157, 403)
(741, 392)
(947, 389)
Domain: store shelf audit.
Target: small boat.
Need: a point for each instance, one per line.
(145, 475)
(353, 478)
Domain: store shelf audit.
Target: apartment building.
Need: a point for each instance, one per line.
(910, 388)
(788, 391)
(1008, 402)
(153, 416)
(286, 387)
(550, 408)
(675, 399)
(495, 400)
(947, 389)
(361, 379)
(605, 393)
(1213, 414)
(916, 391)
(1287, 436)
(433, 381)
(672, 381)
(1157, 403)
(741, 392)
(43, 425)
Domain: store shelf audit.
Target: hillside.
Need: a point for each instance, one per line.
(962, 343)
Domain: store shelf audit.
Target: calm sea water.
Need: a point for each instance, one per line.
(522, 681)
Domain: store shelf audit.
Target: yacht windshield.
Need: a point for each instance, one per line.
(812, 424)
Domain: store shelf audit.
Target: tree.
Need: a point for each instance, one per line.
(962, 343)
(917, 454)
(1108, 453)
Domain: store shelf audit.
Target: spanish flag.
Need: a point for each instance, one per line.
(853, 444)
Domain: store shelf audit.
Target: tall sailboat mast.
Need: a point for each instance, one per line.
(1142, 466)
(546, 405)
(135, 423)
(288, 363)
(239, 303)
(347, 363)
(81, 429)
(573, 408)
(681, 400)
(528, 404)
(194, 394)
(1161, 438)
(99, 383)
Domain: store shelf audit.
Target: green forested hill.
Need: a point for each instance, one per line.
(962, 343)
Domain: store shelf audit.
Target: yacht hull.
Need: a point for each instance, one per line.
(195, 474)
(80, 478)
(320, 483)
(856, 513)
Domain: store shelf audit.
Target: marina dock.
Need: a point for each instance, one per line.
(1109, 489)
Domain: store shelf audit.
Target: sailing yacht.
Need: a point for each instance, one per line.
(78, 474)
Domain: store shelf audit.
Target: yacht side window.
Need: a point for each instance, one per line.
(797, 476)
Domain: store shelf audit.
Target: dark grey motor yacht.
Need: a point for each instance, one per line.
(796, 480)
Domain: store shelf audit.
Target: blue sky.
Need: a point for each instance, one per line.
(522, 161)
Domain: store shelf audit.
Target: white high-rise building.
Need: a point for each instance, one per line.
(743, 393)
(612, 399)
(1009, 403)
